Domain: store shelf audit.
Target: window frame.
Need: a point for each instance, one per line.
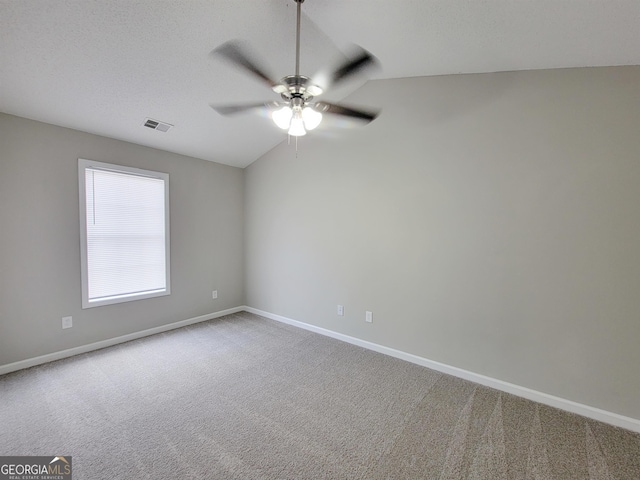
(83, 165)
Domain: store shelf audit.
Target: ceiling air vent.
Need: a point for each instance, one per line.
(157, 125)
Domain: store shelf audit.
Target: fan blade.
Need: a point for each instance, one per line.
(245, 108)
(234, 53)
(336, 109)
(358, 61)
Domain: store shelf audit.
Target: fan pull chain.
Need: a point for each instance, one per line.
(289, 143)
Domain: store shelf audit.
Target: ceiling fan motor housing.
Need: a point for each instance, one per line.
(297, 86)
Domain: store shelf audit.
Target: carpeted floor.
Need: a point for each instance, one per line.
(244, 397)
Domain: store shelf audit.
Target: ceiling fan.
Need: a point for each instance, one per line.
(297, 112)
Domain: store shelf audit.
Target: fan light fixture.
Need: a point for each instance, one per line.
(282, 117)
(297, 125)
(297, 120)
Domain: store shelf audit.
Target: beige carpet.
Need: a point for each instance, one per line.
(243, 397)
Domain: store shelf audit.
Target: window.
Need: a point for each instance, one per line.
(124, 229)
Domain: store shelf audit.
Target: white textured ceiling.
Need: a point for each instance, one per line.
(103, 66)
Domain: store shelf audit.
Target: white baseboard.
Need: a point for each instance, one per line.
(524, 392)
(50, 357)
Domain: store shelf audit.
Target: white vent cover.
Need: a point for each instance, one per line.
(157, 125)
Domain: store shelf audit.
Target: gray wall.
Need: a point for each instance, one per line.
(490, 222)
(40, 243)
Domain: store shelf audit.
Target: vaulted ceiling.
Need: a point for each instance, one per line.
(104, 66)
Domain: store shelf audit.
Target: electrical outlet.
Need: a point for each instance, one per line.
(214, 294)
(341, 310)
(368, 317)
(67, 322)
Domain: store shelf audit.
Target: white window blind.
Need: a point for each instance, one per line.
(125, 235)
